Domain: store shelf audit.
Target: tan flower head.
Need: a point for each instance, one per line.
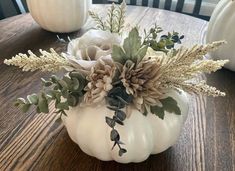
(100, 81)
(142, 82)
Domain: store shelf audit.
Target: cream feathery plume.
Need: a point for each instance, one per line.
(48, 61)
(177, 71)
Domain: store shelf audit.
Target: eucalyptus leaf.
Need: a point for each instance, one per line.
(158, 111)
(65, 93)
(16, 104)
(72, 101)
(63, 84)
(115, 102)
(110, 122)
(62, 106)
(117, 120)
(75, 84)
(122, 100)
(68, 81)
(33, 99)
(114, 108)
(21, 101)
(25, 107)
(120, 115)
(81, 79)
(46, 83)
(54, 78)
(170, 105)
(122, 151)
(42, 103)
(114, 135)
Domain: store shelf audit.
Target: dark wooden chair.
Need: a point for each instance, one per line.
(2, 16)
(178, 5)
(17, 6)
(20, 6)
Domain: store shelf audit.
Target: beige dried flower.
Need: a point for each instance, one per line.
(100, 81)
(48, 61)
(141, 81)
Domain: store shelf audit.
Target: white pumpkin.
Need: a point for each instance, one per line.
(61, 16)
(142, 135)
(221, 27)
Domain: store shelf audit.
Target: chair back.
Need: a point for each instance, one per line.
(1, 13)
(183, 6)
(20, 6)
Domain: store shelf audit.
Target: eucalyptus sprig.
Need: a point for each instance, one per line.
(65, 92)
(165, 43)
(117, 99)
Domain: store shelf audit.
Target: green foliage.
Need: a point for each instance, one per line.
(65, 92)
(118, 54)
(164, 43)
(117, 99)
(168, 104)
(132, 49)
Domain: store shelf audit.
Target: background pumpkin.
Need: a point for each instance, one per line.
(59, 15)
(221, 27)
(142, 135)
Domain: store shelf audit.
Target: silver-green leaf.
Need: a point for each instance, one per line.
(168, 104)
(132, 44)
(33, 99)
(43, 104)
(119, 55)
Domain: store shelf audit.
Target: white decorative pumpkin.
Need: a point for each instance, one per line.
(60, 16)
(142, 135)
(221, 27)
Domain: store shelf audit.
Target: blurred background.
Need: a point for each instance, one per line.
(198, 8)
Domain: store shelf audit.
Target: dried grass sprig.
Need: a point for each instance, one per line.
(115, 20)
(48, 61)
(187, 64)
(111, 18)
(121, 11)
(100, 24)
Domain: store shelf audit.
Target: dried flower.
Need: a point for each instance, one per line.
(142, 82)
(100, 81)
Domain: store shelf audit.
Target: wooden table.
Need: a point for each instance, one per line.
(35, 142)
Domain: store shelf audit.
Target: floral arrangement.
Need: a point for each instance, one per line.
(104, 67)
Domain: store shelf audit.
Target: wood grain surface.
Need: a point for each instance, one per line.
(35, 142)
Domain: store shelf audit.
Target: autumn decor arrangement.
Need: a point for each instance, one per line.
(136, 83)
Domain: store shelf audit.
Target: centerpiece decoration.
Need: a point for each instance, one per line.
(136, 84)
